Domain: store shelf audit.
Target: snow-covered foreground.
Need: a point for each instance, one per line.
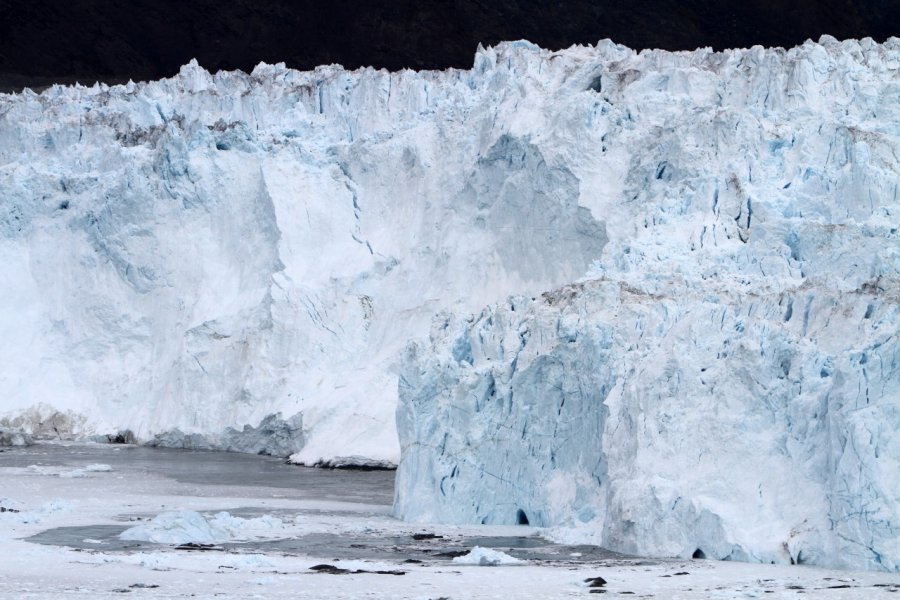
(131, 492)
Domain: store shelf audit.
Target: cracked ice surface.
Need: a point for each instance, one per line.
(727, 376)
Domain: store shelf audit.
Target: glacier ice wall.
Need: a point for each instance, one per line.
(727, 376)
(190, 257)
(658, 425)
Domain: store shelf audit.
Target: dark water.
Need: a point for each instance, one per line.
(202, 468)
(401, 548)
(259, 477)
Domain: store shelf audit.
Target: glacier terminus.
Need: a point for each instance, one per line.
(645, 300)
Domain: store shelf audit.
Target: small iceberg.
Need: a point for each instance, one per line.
(485, 557)
(188, 526)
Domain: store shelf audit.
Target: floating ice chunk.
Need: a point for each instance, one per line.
(98, 468)
(14, 437)
(41, 470)
(188, 526)
(82, 472)
(485, 557)
(66, 472)
(177, 527)
(237, 525)
(16, 512)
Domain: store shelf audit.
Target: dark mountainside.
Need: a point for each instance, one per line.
(48, 41)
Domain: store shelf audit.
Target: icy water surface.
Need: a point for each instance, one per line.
(247, 474)
(262, 478)
(403, 548)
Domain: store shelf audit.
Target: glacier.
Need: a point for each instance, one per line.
(724, 382)
(650, 299)
(202, 260)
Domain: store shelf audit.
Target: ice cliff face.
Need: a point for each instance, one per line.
(188, 258)
(726, 380)
(662, 424)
